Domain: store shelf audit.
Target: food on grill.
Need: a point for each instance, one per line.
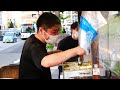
(78, 77)
(75, 66)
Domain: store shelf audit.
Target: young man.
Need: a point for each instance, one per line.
(35, 62)
(69, 42)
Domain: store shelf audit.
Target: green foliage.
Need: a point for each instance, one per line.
(117, 68)
(49, 46)
(62, 30)
(10, 24)
(62, 18)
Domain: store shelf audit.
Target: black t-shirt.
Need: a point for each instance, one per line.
(30, 62)
(68, 43)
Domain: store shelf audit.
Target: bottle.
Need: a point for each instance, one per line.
(96, 71)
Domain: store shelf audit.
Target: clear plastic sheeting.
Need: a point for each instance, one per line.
(90, 22)
(109, 41)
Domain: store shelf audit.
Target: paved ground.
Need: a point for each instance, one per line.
(7, 45)
(1, 37)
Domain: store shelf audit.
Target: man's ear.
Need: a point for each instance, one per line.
(71, 30)
(41, 30)
(77, 28)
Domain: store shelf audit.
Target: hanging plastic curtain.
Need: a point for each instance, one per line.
(90, 22)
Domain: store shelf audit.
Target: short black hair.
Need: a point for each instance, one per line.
(47, 20)
(74, 25)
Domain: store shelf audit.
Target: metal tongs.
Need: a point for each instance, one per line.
(80, 60)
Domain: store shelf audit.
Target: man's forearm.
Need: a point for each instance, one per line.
(56, 51)
(58, 58)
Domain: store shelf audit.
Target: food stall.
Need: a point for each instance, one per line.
(101, 48)
(74, 70)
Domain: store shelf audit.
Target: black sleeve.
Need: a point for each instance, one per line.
(61, 46)
(37, 54)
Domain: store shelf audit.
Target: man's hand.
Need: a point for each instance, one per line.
(80, 51)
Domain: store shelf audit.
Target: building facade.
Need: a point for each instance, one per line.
(17, 17)
(72, 17)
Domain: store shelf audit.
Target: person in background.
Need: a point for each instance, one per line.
(69, 42)
(35, 61)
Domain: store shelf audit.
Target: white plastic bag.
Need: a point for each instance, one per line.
(90, 22)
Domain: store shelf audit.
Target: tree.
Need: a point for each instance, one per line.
(63, 18)
(10, 24)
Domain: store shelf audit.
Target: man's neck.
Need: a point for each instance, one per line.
(40, 37)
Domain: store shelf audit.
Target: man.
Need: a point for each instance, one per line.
(69, 42)
(35, 62)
